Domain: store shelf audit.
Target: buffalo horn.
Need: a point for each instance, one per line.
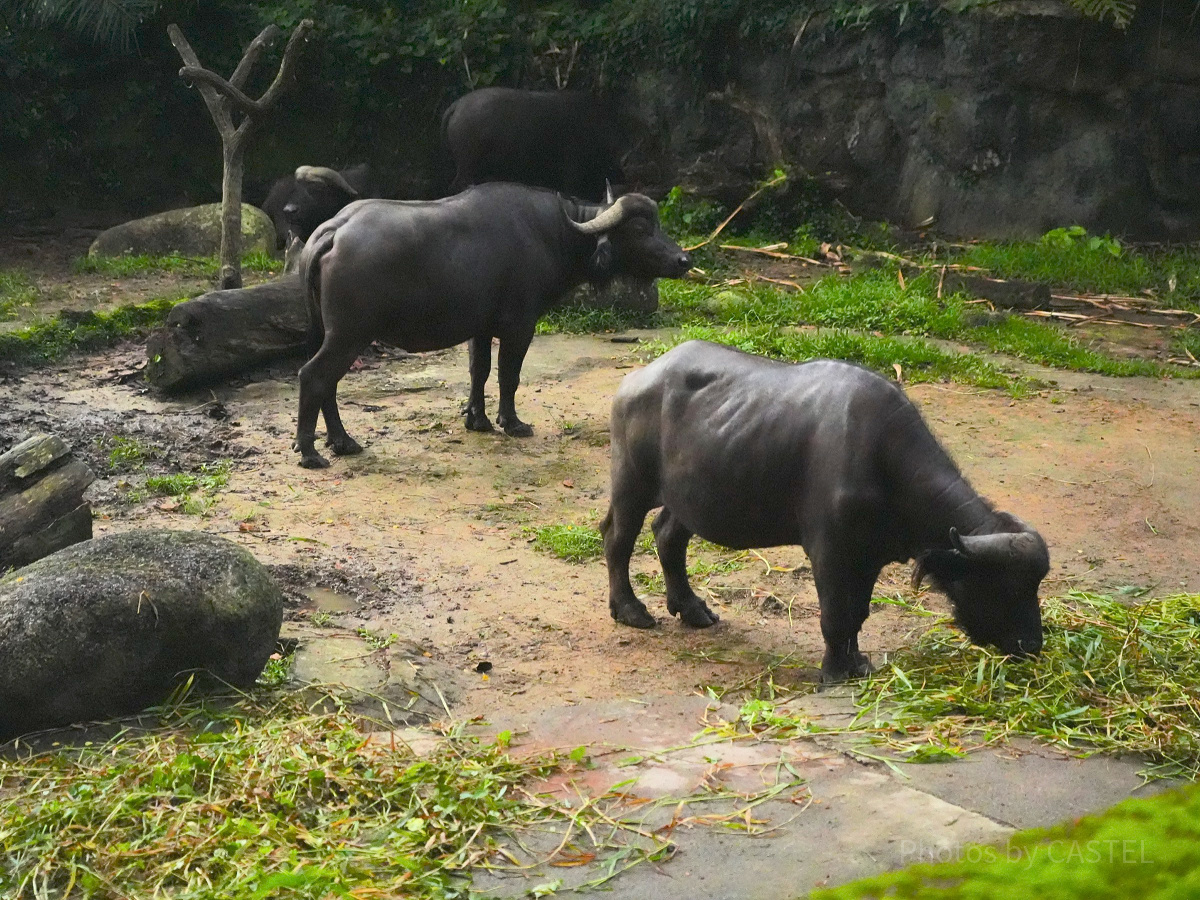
(321, 173)
(614, 215)
(994, 547)
(608, 194)
(918, 574)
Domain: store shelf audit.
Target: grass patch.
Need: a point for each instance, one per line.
(128, 452)
(16, 290)
(172, 264)
(195, 493)
(919, 360)
(576, 318)
(1070, 258)
(574, 543)
(1146, 848)
(70, 331)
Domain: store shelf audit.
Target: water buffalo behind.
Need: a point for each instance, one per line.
(565, 140)
(749, 452)
(424, 275)
(298, 203)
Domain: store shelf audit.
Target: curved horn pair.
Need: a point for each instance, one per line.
(618, 212)
(330, 176)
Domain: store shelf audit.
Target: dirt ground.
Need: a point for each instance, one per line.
(426, 532)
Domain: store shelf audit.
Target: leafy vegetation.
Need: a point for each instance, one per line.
(1147, 848)
(264, 797)
(69, 331)
(128, 452)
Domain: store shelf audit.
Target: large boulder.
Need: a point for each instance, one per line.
(112, 625)
(191, 231)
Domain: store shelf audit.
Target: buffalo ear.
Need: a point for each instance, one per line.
(944, 565)
(600, 266)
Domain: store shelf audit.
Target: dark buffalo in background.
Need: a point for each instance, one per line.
(483, 264)
(298, 203)
(568, 141)
(750, 452)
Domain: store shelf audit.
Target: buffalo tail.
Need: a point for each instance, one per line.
(321, 245)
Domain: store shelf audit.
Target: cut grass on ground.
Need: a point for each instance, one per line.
(1112, 677)
(574, 543)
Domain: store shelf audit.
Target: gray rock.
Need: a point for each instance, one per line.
(112, 625)
(192, 231)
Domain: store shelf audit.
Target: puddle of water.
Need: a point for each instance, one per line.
(330, 601)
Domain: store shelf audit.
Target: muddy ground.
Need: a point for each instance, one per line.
(426, 535)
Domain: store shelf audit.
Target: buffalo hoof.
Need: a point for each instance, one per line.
(633, 614)
(477, 421)
(344, 446)
(694, 612)
(842, 670)
(313, 460)
(514, 427)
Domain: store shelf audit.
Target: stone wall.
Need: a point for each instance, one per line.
(1005, 121)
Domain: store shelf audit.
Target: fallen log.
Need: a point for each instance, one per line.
(41, 500)
(225, 333)
(1009, 294)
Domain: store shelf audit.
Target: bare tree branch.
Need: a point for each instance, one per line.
(253, 52)
(216, 106)
(203, 76)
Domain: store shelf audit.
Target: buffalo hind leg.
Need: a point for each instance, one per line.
(620, 529)
(512, 355)
(480, 351)
(336, 438)
(845, 600)
(671, 538)
(319, 378)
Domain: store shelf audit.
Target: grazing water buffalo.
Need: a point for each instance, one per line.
(298, 203)
(564, 140)
(424, 275)
(749, 452)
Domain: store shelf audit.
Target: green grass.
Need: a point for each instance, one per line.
(579, 319)
(16, 291)
(1075, 264)
(1144, 848)
(574, 543)
(194, 492)
(128, 452)
(172, 264)
(919, 360)
(70, 331)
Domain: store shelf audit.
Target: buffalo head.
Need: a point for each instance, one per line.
(630, 241)
(992, 581)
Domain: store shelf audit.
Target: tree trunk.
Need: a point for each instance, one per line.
(231, 214)
(41, 500)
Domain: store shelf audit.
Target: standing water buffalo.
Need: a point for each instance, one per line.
(488, 262)
(749, 452)
(565, 140)
(298, 203)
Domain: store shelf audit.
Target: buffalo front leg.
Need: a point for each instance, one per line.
(845, 599)
(319, 378)
(671, 538)
(512, 356)
(620, 529)
(480, 351)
